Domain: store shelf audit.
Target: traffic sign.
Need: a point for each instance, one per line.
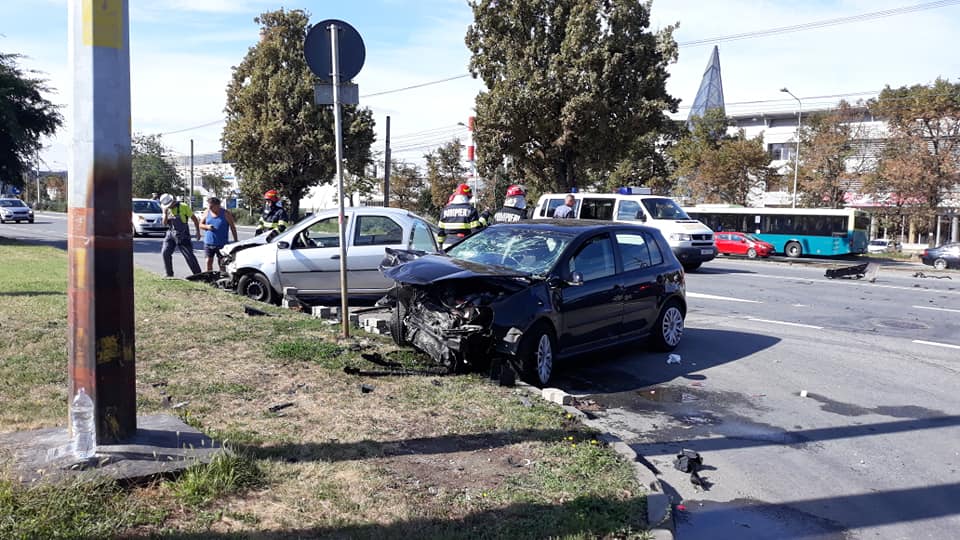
(319, 55)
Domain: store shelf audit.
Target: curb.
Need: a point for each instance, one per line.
(659, 515)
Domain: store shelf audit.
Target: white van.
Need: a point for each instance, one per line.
(691, 241)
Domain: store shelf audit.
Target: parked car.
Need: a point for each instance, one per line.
(537, 292)
(147, 217)
(307, 254)
(942, 257)
(738, 243)
(15, 210)
(883, 245)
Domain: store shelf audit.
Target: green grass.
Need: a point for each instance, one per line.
(227, 473)
(306, 350)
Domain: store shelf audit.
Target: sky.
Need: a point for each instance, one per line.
(182, 52)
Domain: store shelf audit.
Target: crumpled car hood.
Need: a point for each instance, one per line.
(429, 269)
(259, 240)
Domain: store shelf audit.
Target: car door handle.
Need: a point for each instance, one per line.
(335, 257)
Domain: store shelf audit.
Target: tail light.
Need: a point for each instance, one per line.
(925, 254)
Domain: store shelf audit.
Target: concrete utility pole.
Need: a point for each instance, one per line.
(191, 174)
(99, 245)
(796, 163)
(338, 132)
(386, 168)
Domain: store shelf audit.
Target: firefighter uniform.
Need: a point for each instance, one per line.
(273, 218)
(459, 220)
(510, 214)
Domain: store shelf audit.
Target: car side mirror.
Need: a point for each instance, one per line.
(283, 245)
(576, 279)
(641, 216)
(743, 240)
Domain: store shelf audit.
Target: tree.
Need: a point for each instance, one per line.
(25, 117)
(216, 184)
(275, 135)
(444, 171)
(714, 167)
(406, 185)
(833, 156)
(920, 163)
(572, 85)
(151, 171)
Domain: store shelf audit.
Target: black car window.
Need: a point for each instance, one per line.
(656, 256)
(377, 231)
(601, 209)
(594, 259)
(634, 251)
(322, 234)
(146, 207)
(551, 207)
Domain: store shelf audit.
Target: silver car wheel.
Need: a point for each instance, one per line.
(544, 359)
(672, 327)
(940, 264)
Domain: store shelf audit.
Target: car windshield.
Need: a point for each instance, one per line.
(12, 203)
(534, 251)
(664, 208)
(878, 242)
(146, 207)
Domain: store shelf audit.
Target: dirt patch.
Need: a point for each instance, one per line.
(434, 465)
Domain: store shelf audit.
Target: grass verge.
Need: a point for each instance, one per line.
(315, 454)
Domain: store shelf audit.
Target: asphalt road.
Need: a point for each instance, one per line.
(872, 449)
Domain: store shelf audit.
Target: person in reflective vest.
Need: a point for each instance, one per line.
(273, 217)
(514, 206)
(176, 217)
(460, 218)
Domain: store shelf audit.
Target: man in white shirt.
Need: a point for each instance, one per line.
(565, 211)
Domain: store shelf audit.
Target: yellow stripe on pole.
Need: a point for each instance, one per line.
(103, 23)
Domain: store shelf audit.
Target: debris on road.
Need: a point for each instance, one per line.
(280, 406)
(803, 393)
(856, 271)
(366, 388)
(922, 275)
(254, 312)
(673, 359)
(688, 461)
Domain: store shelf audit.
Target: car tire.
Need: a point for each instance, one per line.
(752, 253)
(396, 323)
(537, 353)
(691, 267)
(940, 264)
(257, 287)
(793, 249)
(30, 220)
(668, 329)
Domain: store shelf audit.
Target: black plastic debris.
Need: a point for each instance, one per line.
(366, 388)
(254, 312)
(688, 461)
(281, 406)
(922, 275)
(856, 271)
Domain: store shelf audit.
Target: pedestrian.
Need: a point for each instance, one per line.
(514, 206)
(215, 221)
(154, 196)
(566, 211)
(460, 218)
(273, 217)
(176, 217)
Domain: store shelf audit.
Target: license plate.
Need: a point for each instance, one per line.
(706, 252)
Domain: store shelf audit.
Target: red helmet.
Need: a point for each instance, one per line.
(516, 190)
(271, 195)
(463, 189)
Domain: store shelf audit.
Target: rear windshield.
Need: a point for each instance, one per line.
(12, 203)
(664, 208)
(146, 207)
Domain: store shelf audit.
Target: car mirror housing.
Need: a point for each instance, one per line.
(283, 245)
(641, 216)
(576, 279)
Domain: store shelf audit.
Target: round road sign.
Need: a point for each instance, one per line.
(317, 50)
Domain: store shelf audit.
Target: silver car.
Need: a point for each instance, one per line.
(307, 254)
(15, 210)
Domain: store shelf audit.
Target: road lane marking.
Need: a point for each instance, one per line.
(825, 281)
(935, 344)
(931, 308)
(714, 297)
(784, 323)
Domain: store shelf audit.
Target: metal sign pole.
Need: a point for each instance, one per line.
(338, 131)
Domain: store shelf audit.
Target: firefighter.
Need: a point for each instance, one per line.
(274, 217)
(460, 218)
(514, 205)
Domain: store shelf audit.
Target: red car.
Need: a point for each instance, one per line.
(738, 243)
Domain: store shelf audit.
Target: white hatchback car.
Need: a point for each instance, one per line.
(147, 218)
(307, 254)
(883, 245)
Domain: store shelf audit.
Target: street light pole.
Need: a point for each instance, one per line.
(796, 163)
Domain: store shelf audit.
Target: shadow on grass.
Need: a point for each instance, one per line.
(587, 517)
(33, 293)
(367, 449)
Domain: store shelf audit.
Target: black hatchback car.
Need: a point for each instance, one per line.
(942, 257)
(535, 293)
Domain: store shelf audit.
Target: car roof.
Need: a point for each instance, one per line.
(574, 226)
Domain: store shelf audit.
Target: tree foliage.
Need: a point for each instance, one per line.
(152, 172)
(216, 184)
(573, 86)
(406, 185)
(832, 156)
(713, 167)
(445, 170)
(920, 163)
(275, 135)
(25, 117)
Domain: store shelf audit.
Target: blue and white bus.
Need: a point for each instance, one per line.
(793, 231)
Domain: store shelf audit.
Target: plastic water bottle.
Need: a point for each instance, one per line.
(84, 442)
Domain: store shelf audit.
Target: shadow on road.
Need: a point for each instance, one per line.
(626, 368)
